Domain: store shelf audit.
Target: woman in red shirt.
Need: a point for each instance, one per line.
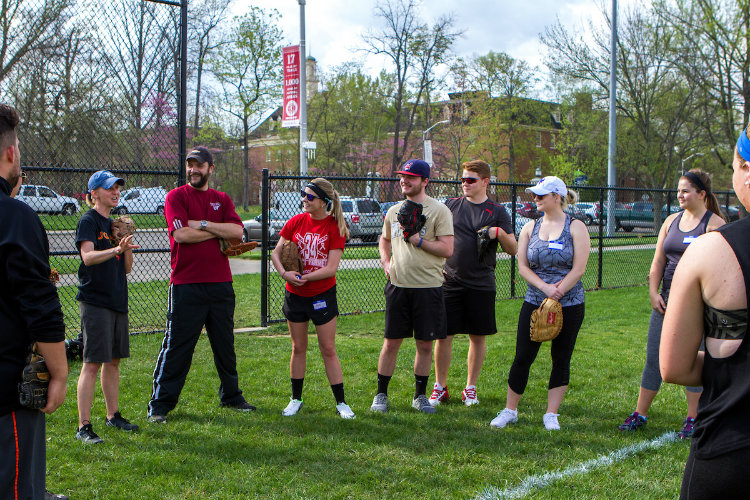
(320, 233)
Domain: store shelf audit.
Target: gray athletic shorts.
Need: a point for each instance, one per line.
(105, 334)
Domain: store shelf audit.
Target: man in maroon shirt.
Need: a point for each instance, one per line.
(200, 289)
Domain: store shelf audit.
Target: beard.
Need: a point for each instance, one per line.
(200, 182)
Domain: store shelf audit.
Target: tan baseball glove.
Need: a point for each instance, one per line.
(232, 248)
(546, 321)
(291, 260)
(122, 226)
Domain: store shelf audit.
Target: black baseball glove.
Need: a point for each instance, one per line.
(483, 241)
(410, 217)
(32, 390)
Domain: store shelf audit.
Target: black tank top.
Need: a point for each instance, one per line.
(723, 422)
(675, 244)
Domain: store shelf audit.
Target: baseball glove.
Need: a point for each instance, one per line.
(54, 276)
(483, 241)
(410, 217)
(122, 226)
(232, 248)
(291, 260)
(32, 390)
(546, 321)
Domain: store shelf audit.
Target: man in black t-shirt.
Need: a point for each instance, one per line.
(469, 287)
(29, 312)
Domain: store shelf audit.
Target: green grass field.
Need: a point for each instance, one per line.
(208, 452)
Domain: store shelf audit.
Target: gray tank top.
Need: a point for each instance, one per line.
(675, 244)
(552, 261)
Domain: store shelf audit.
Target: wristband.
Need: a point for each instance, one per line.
(420, 242)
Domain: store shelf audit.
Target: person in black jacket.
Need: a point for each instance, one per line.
(29, 312)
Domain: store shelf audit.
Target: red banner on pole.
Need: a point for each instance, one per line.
(291, 110)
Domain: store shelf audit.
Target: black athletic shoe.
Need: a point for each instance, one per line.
(244, 407)
(121, 423)
(51, 496)
(87, 435)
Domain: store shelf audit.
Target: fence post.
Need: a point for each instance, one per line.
(265, 201)
(513, 257)
(182, 97)
(601, 237)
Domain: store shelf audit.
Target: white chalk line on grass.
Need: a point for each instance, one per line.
(543, 480)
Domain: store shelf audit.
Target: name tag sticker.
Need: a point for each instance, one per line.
(688, 239)
(319, 304)
(555, 245)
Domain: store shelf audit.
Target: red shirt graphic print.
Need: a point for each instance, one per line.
(314, 239)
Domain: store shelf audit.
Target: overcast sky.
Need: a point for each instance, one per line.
(334, 27)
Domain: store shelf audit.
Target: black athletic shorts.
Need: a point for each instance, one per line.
(320, 308)
(417, 312)
(469, 310)
(105, 334)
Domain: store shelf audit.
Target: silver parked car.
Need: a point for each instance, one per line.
(364, 217)
(142, 200)
(43, 200)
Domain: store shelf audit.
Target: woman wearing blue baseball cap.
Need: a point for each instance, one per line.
(552, 255)
(103, 303)
(709, 302)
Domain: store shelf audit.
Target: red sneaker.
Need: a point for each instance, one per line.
(469, 396)
(438, 395)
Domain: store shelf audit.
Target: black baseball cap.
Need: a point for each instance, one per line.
(202, 154)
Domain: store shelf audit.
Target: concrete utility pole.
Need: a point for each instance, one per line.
(302, 92)
(427, 145)
(611, 171)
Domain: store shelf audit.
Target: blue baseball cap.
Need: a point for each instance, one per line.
(416, 167)
(104, 179)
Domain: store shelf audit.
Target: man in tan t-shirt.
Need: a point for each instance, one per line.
(413, 294)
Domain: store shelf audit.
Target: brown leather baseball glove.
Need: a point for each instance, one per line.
(291, 260)
(122, 226)
(546, 321)
(232, 248)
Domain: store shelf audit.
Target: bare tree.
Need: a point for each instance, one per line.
(414, 49)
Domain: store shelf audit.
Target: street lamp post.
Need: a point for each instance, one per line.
(682, 164)
(427, 145)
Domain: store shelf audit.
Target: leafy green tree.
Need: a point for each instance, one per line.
(248, 68)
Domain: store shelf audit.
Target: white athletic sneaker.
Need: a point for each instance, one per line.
(505, 417)
(292, 408)
(344, 411)
(438, 395)
(550, 421)
(469, 396)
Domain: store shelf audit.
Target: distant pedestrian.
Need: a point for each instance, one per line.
(103, 304)
(320, 234)
(552, 255)
(200, 289)
(699, 214)
(709, 304)
(413, 265)
(469, 287)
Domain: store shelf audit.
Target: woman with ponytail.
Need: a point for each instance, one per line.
(700, 213)
(320, 233)
(709, 305)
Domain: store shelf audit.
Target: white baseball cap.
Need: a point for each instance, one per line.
(549, 184)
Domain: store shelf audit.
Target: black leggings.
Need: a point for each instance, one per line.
(561, 350)
(722, 477)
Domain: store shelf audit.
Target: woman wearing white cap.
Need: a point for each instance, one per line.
(552, 255)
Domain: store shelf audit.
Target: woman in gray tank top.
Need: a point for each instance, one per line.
(552, 256)
(699, 215)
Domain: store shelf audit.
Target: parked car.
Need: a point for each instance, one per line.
(585, 212)
(141, 200)
(638, 214)
(528, 209)
(364, 217)
(43, 200)
(384, 206)
(731, 213)
(253, 230)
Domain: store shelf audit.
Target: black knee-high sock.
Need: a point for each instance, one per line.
(420, 384)
(297, 388)
(338, 392)
(383, 381)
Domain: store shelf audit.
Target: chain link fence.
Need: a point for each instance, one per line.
(622, 258)
(97, 86)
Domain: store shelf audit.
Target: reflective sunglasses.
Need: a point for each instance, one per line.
(310, 197)
(469, 180)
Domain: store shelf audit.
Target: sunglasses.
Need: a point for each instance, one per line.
(469, 180)
(310, 197)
